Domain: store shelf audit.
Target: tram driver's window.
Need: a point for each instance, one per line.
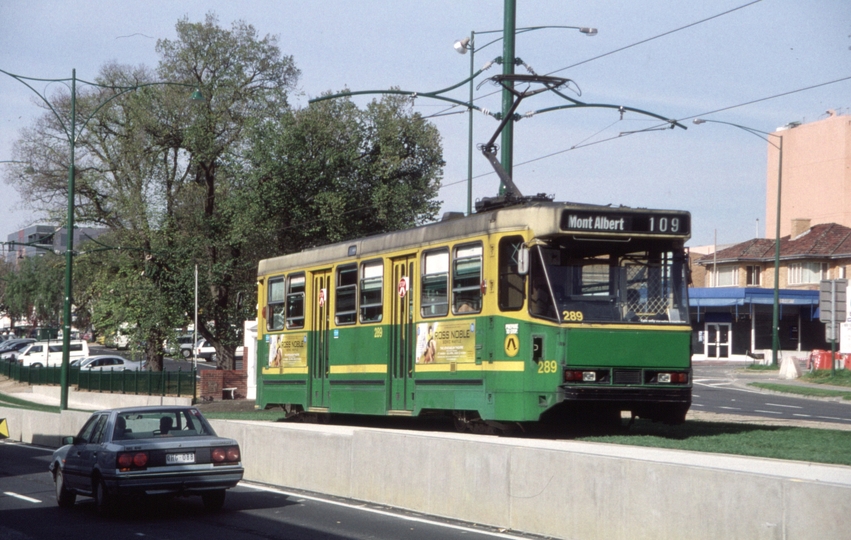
(434, 300)
(372, 276)
(467, 279)
(347, 292)
(511, 294)
(295, 301)
(275, 302)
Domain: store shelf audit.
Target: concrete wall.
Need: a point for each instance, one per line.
(94, 401)
(563, 489)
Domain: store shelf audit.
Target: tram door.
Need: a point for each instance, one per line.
(717, 343)
(321, 317)
(402, 334)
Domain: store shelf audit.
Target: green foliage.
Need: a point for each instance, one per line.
(219, 184)
(33, 290)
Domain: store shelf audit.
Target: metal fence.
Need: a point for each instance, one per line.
(152, 383)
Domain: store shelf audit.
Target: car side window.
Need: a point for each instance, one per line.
(88, 428)
(97, 434)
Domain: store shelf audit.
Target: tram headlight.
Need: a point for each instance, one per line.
(589, 376)
(664, 377)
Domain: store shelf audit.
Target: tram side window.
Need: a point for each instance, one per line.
(511, 284)
(434, 299)
(372, 276)
(467, 279)
(275, 302)
(295, 301)
(347, 292)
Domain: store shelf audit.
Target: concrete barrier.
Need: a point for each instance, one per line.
(562, 489)
(95, 401)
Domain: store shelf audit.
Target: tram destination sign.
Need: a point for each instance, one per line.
(615, 222)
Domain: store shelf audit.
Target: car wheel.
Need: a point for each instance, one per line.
(103, 501)
(186, 353)
(214, 500)
(213, 358)
(64, 498)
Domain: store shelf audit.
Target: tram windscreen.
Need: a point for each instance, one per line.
(598, 281)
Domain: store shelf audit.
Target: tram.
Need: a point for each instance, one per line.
(510, 315)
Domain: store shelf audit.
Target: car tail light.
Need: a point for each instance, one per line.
(132, 460)
(228, 454)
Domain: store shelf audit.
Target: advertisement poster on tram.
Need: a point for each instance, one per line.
(287, 350)
(445, 342)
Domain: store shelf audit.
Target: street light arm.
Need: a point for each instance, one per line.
(764, 135)
(434, 95)
(578, 104)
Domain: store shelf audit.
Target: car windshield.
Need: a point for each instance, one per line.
(161, 423)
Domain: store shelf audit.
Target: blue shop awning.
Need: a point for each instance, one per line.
(738, 296)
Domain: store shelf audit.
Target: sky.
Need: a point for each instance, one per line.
(759, 64)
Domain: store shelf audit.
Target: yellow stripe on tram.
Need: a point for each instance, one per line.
(359, 368)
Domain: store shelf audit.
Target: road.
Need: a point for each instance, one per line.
(28, 510)
(721, 390)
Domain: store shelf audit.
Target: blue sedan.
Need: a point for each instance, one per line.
(131, 452)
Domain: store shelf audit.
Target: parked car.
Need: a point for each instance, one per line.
(183, 347)
(138, 451)
(12, 347)
(49, 353)
(203, 349)
(107, 362)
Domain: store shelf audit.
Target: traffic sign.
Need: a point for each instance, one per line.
(832, 300)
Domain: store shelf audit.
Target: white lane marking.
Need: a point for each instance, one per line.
(802, 415)
(830, 418)
(768, 412)
(787, 406)
(731, 408)
(381, 512)
(22, 497)
(697, 405)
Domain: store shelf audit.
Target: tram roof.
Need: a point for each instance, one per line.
(541, 217)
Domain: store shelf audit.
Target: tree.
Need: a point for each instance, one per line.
(333, 172)
(222, 183)
(32, 291)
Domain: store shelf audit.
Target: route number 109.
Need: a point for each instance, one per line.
(664, 224)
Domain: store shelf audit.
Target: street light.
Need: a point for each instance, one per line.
(775, 328)
(72, 133)
(468, 44)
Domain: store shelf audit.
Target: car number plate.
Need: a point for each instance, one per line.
(188, 457)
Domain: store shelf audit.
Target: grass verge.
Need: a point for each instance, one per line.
(795, 443)
(824, 376)
(15, 403)
(803, 390)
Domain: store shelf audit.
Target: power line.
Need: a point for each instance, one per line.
(658, 36)
(657, 126)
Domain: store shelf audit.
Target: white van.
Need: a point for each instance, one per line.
(49, 353)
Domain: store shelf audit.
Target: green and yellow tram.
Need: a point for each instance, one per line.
(504, 316)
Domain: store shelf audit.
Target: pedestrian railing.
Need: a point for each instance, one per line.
(152, 383)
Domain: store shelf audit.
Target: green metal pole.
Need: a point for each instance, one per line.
(775, 327)
(69, 248)
(509, 24)
(470, 130)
